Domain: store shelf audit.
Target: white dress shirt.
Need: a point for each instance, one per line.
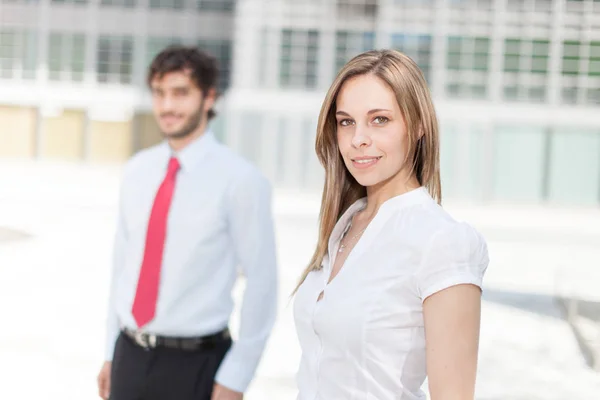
(365, 338)
(219, 226)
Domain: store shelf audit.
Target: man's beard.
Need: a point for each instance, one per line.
(192, 124)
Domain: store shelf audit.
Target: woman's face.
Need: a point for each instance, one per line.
(371, 132)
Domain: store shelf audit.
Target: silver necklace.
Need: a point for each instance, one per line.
(343, 246)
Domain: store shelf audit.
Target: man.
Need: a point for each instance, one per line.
(192, 214)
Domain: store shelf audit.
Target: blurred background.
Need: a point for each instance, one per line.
(516, 84)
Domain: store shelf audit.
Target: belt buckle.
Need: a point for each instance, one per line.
(145, 340)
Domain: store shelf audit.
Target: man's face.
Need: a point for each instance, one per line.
(179, 106)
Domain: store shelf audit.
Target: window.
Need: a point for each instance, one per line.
(526, 56)
(298, 66)
(526, 69)
(571, 59)
(511, 55)
(18, 53)
(221, 50)
(119, 3)
(350, 44)
(570, 95)
(526, 6)
(594, 61)
(83, 2)
(518, 163)
(467, 63)
(574, 166)
(216, 5)
(66, 57)
(168, 4)
(299, 10)
(115, 55)
(417, 47)
(357, 8)
(157, 44)
(540, 54)
(580, 59)
(593, 96)
(401, 2)
(21, 1)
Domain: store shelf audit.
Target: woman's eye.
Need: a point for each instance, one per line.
(380, 120)
(346, 122)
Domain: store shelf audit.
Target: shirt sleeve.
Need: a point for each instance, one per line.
(455, 255)
(253, 239)
(119, 248)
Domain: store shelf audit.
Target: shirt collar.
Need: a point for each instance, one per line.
(415, 196)
(343, 223)
(193, 153)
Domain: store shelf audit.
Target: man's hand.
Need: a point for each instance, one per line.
(222, 393)
(104, 381)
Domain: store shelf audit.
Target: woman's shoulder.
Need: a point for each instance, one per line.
(433, 230)
(448, 252)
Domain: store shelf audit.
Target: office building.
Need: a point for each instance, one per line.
(516, 82)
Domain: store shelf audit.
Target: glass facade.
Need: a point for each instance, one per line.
(155, 45)
(580, 71)
(18, 53)
(350, 44)
(467, 66)
(502, 65)
(417, 47)
(221, 50)
(118, 3)
(115, 59)
(168, 4)
(526, 69)
(521, 164)
(298, 64)
(216, 5)
(574, 166)
(66, 57)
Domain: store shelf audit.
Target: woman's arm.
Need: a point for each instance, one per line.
(452, 319)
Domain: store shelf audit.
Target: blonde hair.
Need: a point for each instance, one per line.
(341, 190)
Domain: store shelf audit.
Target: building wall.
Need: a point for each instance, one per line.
(147, 131)
(17, 131)
(517, 100)
(63, 136)
(92, 57)
(110, 141)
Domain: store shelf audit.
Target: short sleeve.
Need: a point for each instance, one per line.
(455, 255)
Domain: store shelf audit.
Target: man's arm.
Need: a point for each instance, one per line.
(253, 238)
(112, 322)
(119, 249)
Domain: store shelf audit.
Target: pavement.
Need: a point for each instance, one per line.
(56, 230)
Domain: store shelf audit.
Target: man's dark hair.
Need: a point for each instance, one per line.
(203, 67)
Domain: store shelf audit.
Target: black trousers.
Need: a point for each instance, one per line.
(163, 373)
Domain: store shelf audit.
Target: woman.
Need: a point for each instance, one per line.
(392, 293)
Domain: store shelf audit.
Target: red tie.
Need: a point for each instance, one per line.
(146, 295)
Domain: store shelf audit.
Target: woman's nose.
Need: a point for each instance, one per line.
(360, 138)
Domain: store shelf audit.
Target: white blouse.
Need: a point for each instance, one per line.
(365, 338)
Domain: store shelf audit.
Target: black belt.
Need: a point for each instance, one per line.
(150, 341)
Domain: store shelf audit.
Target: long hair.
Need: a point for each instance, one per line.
(341, 190)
